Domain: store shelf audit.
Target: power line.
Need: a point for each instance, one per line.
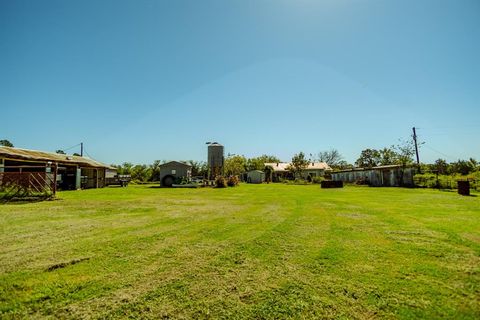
(439, 152)
(66, 149)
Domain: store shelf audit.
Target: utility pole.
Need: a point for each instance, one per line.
(416, 146)
(81, 148)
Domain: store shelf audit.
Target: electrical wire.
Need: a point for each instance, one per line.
(66, 149)
(439, 152)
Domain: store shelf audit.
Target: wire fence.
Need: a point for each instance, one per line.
(444, 181)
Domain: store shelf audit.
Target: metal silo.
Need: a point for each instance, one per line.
(215, 159)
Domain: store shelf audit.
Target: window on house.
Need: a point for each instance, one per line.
(174, 171)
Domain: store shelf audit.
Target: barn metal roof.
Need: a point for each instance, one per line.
(384, 167)
(41, 156)
(175, 162)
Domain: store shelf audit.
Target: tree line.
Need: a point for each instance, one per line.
(400, 154)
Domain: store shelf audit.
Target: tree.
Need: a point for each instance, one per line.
(60, 152)
(77, 154)
(441, 166)
(331, 157)
(235, 165)
(343, 165)
(268, 158)
(368, 158)
(268, 173)
(140, 172)
(154, 171)
(125, 168)
(199, 168)
(258, 163)
(299, 163)
(388, 156)
(463, 167)
(405, 151)
(6, 143)
(255, 164)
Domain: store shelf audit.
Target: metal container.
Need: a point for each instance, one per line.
(463, 187)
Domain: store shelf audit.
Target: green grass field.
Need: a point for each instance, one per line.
(256, 251)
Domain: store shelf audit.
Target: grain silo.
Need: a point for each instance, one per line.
(215, 159)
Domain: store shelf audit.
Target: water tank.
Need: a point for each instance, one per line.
(215, 159)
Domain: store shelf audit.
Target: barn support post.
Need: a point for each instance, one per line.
(55, 172)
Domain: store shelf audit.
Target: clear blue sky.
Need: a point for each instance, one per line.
(144, 80)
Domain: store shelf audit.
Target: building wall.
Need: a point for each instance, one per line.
(176, 170)
(385, 177)
(255, 177)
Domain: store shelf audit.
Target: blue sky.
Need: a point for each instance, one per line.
(144, 80)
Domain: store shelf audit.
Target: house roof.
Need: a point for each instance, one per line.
(175, 163)
(282, 166)
(41, 156)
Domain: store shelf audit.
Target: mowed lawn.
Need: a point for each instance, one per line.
(256, 251)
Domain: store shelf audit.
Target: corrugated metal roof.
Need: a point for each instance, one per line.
(385, 167)
(175, 162)
(282, 166)
(34, 155)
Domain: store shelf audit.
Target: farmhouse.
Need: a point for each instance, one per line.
(382, 176)
(314, 169)
(173, 172)
(73, 172)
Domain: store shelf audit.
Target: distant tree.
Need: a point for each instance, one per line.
(268, 173)
(405, 151)
(388, 156)
(343, 165)
(255, 164)
(331, 157)
(441, 166)
(154, 171)
(140, 172)
(474, 163)
(6, 143)
(368, 158)
(268, 159)
(235, 165)
(298, 164)
(76, 154)
(258, 163)
(126, 168)
(199, 168)
(60, 151)
(463, 167)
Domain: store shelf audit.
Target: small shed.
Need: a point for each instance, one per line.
(173, 172)
(255, 176)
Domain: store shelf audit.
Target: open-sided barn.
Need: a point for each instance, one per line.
(382, 176)
(73, 172)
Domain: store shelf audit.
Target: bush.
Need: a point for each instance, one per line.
(317, 180)
(220, 182)
(296, 182)
(232, 181)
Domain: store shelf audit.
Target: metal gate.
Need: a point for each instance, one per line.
(27, 183)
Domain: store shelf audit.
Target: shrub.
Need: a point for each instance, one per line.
(220, 182)
(232, 181)
(317, 180)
